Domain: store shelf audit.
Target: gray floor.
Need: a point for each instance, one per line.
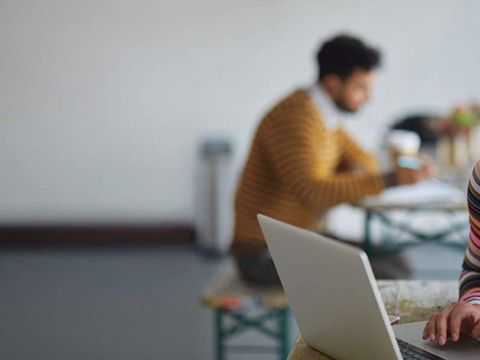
(128, 303)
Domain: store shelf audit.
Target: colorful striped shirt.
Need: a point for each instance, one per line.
(470, 275)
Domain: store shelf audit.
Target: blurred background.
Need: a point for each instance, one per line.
(124, 126)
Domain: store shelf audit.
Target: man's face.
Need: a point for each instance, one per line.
(352, 93)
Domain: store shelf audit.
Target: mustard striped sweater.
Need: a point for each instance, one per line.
(297, 169)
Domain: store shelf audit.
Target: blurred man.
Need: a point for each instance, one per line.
(302, 162)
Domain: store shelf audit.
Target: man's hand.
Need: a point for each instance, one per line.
(407, 176)
(428, 167)
(455, 319)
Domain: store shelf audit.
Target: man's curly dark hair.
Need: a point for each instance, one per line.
(343, 54)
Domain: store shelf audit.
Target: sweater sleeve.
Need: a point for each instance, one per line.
(353, 154)
(298, 159)
(470, 274)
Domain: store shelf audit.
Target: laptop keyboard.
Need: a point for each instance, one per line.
(410, 351)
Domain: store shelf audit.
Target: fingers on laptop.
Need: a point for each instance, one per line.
(436, 328)
(451, 321)
(475, 333)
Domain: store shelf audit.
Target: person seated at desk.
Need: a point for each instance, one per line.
(303, 162)
(463, 318)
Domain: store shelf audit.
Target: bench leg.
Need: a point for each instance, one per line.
(284, 333)
(280, 334)
(367, 240)
(220, 350)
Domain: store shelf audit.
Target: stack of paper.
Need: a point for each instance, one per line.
(423, 193)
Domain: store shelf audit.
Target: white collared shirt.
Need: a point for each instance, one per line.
(331, 115)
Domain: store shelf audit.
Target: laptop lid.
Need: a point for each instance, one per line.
(332, 292)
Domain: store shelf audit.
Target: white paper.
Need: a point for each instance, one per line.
(424, 193)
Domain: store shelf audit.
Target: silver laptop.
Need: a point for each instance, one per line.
(334, 297)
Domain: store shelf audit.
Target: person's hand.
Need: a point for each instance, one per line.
(454, 320)
(408, 176)
(404, 176)
(428, 167)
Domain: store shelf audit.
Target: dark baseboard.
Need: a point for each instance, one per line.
(96, 235)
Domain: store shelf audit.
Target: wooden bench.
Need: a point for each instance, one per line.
(239, 307)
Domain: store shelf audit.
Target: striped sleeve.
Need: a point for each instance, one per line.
(354, 155)
(299, 161)
(470, 275)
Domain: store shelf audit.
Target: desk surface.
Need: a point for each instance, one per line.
(411, 300)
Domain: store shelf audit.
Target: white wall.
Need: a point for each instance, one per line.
(103, 103)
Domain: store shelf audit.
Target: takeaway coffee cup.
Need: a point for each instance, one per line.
(402, 142)
(402, 145)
